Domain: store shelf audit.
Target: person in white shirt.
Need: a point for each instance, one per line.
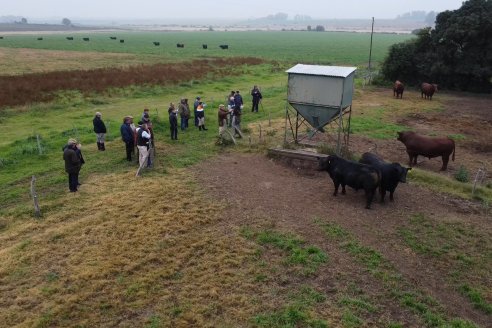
(143, 140)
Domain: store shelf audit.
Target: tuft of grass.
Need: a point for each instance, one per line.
(462, 175)
(308, 257)
(476, 298)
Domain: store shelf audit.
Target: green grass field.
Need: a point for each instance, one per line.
(309, 47)
(160, 250)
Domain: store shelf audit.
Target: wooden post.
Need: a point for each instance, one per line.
(261, 136)
(37, 211)
(478, 178)
(40, 150)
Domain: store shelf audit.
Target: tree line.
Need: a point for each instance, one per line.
(456, 54)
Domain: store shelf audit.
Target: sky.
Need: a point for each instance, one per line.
(224, 9)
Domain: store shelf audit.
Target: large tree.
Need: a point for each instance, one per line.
(456, 54)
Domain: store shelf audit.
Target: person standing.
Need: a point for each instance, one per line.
(256, 94)
(230, 107)
(200, 112)
(127, 137)
(173, 121)
(222, 116)
(184, 113)
(100, 130)
(143, 143)
(237, 112)
(195, 106)
(72, 164)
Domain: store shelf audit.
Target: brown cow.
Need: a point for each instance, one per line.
(428, 90)
(428, 147)
(398, 88)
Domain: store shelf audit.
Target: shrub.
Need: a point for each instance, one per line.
(462, 174)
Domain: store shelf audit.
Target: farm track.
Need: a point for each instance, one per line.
(262, 192)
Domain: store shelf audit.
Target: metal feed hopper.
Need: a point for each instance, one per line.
(320, 94)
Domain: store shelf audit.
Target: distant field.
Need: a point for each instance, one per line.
(310, 47)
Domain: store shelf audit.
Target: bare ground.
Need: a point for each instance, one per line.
(260, 190)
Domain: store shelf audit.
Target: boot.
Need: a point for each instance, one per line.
(203, 126)
(103, 148)
(98, 146)
(200, 127)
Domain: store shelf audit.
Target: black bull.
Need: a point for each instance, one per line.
(352, 174)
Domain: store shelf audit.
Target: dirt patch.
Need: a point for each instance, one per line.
(259, 189)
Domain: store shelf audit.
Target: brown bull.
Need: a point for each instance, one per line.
(427, 147)
(428, 90)
(398, 88)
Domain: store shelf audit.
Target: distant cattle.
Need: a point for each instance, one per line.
(112, 37)
(398, 88)
(86, 39)
(224, 46)
(352, 174)
(204, 46)
(428, 90)
(122, 41)
(391, 174)
(40, 39)
(157, 43)
(1, 37)
(428, 147)
(180, 45)
(69, 37)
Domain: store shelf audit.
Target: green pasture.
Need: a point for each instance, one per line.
(292, 46)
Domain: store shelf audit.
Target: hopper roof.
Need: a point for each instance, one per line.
(334, 71)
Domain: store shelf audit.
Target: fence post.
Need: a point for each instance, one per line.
(40, 149)
(37, 211)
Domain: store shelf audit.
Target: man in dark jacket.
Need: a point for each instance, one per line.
(72, 164)
(184, 113)
(100, 130)
(127, 137)
(256, 94)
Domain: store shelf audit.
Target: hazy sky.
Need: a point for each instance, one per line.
(230, 9)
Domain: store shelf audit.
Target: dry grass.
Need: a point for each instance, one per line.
(126, 252)
(18, 61)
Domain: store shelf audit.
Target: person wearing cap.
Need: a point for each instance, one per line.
(143, 143)
(127, 137)
(195, 105)
(256, 94)
(173, 121)
(145, 111)
(222, 115)
(100, 130)
(72, 164)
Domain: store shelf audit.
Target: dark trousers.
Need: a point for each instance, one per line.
(73, 181)
(184, 123)
(196, 118)
(174, 131)
(255, 105)
(130, 148)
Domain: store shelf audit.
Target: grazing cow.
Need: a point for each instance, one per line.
(69, 37)
(86, 39)
(1, 37)
(157, 43)
(355, 175)
(180, 45)
(40, 39)
(427, 147)
(122, 41)
(398, 88)
(204, 46)
(428, 90)
(224, 46)
(112, 37)
(391, 174)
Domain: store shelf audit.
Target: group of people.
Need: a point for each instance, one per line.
(141, 136)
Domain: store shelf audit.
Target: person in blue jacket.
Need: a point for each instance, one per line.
(127, 137)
